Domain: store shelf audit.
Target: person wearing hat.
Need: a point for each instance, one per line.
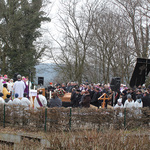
(129, 103)
(16, 100)
(1, 99)
(119, 103)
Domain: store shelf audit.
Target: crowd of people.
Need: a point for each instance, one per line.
(83, 95)
(17, 93)
(14, 93)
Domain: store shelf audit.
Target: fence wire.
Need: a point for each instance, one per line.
(50, 119)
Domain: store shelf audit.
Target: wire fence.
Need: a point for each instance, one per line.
(50, 119)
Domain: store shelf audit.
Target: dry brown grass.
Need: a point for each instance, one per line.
(88, 140)
(93, 140)
(101, 129)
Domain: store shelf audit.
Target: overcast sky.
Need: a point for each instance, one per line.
(50, 28)
(51, 9)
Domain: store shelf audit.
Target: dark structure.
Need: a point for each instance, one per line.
(40, 80)
(140, 72)
(115, 84)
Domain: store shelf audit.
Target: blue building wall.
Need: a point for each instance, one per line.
(47, 71)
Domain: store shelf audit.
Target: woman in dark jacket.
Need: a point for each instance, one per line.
(86, 100)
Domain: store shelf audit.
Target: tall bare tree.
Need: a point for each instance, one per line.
(137, 18)
(76, 20)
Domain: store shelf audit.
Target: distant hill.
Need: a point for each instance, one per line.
(47, 71)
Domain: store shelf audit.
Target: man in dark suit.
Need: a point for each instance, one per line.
(146, 98)
(95, 97)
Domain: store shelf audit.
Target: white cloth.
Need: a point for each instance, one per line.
(16, 101)
(19, 88)
(30, 84)
(1, 85)
(42, 99)
(25, 102)
(138, 105)
(8, 86)
(117, 106)
(2, 100)
(128, 104)
(10, 102)
(32, 93)
(11, 86)
(119, 101)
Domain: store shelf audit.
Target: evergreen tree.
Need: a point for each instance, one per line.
(20, 21)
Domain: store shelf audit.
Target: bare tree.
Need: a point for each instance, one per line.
(99, 43)
(76, 20)
(137, 18)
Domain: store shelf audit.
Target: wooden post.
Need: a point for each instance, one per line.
(104, 97)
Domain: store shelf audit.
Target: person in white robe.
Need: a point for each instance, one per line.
(28, 83)
(1, 83)
(25, 101)
(42, 99)
(1, 99)
(129, 103)
(19, 87)
(16, 100)
(138, 103)
(119, 103)
(11, 85)
(8, 85)
(10, 102)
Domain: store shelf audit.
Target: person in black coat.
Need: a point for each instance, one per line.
(63, 86)
(91, 91)
(73, 96)
(95, 97)
(76, 98)
(146, 99)
(85, 102)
